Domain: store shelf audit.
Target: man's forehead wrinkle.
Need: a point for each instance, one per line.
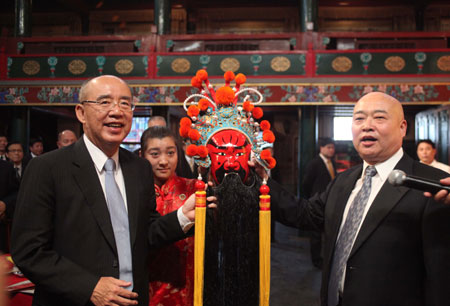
(365, 112)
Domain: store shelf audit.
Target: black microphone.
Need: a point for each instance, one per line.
(399, 178)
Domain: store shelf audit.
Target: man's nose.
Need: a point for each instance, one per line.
(231, 164)
(368, 124)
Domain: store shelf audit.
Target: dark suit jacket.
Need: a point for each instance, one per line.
(183, 168)
(401, 254)
(8, 193)
(8, 186)
(27, 158)
(316, 176)
(62, 235)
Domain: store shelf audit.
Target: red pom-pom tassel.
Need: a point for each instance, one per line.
(191, 150)
(202, 74)
(268, 136)
(203, 104)
(196, 82)
(264, 125)
(194, 135)
(202, 151)
(257, 113)
(265, 154)
(240, 79)
(184, 131)
(229, 76)
(185, 121)
(225, 95)
(248, 106)
(271, 162)
(193, 110)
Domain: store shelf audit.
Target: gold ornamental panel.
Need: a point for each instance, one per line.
(77, 67)
(181, 65)
(341, 64)
(394, 63)
(31, 67)
(230, 64)
(280, 63)
(124, 66)
(443, 63)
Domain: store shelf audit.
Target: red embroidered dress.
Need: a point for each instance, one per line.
(172, 267)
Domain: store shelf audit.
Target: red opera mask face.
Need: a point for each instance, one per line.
(229, 151)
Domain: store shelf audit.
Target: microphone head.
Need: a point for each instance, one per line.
(397, 177)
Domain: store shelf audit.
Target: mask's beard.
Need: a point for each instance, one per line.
(232, 245)
(221, 173)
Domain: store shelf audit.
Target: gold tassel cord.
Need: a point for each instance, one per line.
(264, 250)
(199, 247)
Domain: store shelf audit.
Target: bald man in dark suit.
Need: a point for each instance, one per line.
(384, 245)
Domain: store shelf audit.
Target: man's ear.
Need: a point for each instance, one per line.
(79, 111)
(404, 127)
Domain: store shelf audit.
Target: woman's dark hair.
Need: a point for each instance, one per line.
(159, 132)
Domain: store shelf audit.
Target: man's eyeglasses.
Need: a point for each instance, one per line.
(15, 151)
(109, 104)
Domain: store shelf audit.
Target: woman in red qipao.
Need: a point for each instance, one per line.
(171, 267)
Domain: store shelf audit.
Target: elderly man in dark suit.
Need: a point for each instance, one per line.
(14, 151)
(384, 245)
(85, 216)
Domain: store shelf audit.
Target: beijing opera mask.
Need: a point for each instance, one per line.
(219, 134)
(229, 151)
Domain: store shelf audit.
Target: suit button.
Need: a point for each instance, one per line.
(352, 268)
(115, 263)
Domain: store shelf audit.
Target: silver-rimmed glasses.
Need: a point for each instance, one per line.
(106, 104)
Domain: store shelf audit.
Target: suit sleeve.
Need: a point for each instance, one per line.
(297, 212)
(12, 186)
(309, 179)
(33, 234)
(436, 250)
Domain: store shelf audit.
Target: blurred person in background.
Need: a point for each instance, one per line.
(426, 151)
(66, 138)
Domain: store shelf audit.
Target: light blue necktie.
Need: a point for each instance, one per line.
(347, 235)
(119, 220)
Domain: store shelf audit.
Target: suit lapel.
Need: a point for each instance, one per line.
(323, 166)
(384, 202)
(87, 179)
(131, 187)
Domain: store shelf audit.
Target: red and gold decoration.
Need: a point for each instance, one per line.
(199, 247)
(220, 135)
(264, 245)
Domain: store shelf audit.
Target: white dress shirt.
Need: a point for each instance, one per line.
(99, 158)
(383, 171)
